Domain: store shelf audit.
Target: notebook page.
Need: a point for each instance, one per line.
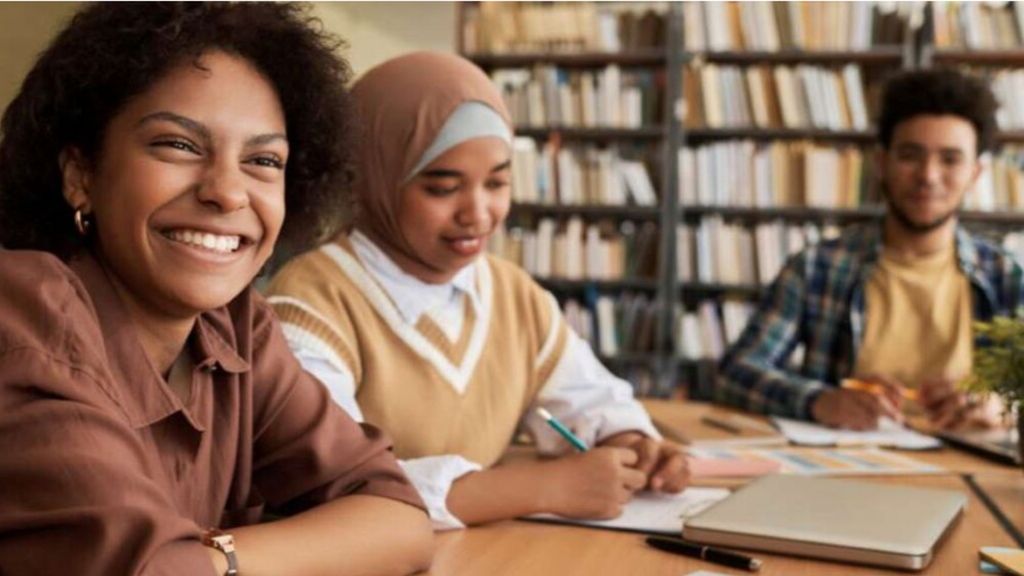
(652, 512)
(889, 433)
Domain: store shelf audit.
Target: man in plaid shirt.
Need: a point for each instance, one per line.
(890, 303)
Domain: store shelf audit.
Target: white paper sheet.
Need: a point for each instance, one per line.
(888, 434)
(651, 512)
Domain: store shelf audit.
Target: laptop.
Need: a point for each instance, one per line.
(846, 520)
(998, 443)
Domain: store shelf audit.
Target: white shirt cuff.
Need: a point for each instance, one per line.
(433, 477)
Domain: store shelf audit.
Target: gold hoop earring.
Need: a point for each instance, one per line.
(82, 223)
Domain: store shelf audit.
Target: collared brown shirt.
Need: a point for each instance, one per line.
(104, 470)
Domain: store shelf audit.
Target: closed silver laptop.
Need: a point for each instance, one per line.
(845, 520)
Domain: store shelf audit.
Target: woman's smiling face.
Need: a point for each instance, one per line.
(187, 192)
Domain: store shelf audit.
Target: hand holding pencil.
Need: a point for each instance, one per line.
(859, 402)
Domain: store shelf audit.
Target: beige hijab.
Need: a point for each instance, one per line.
(403, 105)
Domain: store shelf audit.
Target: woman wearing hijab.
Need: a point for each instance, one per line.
(414, 328)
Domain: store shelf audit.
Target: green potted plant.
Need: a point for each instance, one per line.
(999, 366)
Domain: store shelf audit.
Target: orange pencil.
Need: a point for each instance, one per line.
(854, 384)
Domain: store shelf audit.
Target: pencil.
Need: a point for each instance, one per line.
(854, 384)
(561, 429)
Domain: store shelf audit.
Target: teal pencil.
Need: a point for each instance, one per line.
(561, 429)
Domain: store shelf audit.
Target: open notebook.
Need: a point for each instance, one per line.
(651, 512)
(888, 434)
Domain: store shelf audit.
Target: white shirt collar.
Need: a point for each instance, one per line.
(411, 295)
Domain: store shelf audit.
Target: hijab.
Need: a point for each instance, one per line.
(413, 108)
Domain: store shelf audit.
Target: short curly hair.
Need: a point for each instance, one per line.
(111, 52)
(938, 91)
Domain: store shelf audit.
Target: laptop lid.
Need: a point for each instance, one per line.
(998, 443)
(846, 520)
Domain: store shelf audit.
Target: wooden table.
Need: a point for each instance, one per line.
(534, 549)
(1006, 490)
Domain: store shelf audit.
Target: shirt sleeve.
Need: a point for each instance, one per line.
(752, 374)
(78, 491)
(433, 477)
(308, 450)
(586, 397)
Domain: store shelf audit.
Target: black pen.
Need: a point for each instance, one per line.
(723, 557)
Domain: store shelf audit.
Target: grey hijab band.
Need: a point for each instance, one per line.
(470, 120)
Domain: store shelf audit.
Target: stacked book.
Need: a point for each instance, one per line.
(1008, 85)
(612, 326)
(1001, 185)
(548, 96)
(510, 27)
(575, 250)
(803, 96)
(704, 333)
(978, 25)
(720, 252)
(557, 174)
(743, 173)
(774, 26)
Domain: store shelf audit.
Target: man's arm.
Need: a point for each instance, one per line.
(752, 374)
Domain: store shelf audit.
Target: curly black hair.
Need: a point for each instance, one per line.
(111, 52)
(938, 91)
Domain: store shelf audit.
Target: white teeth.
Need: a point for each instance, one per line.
(213, 242)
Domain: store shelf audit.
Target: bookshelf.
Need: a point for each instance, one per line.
(754, 128)
(759, 182)
(987, 39)
(564, 70)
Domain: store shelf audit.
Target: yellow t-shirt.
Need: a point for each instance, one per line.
(918, 319)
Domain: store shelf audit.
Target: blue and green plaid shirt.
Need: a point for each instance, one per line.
(817, 301)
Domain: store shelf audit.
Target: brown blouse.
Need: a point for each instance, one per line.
(104, 470)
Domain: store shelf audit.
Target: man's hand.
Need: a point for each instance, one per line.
(950, 408)
(859, 409)
(663, 463)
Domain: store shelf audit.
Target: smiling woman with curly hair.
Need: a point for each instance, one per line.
(148, 400)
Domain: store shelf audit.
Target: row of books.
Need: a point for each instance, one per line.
(614, 325)
(574, 250)
(773, 26)
(580, 174)
(504, 27)
(704, 333)
(978, 25)
(801, 96)
(716, 251)
(1008, 85)
(1001, 185)
(545, 96)
(799, 173)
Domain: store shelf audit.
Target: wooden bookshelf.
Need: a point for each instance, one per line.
(586, 211)
(949, 57)
(629, 358)
(647, 143)
(652, 133)
(563, 286)
(717, 289)
(669, 135)
(701, 135)
(788, 213)
(879, 56)
(1010, 136)
(636, 58)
